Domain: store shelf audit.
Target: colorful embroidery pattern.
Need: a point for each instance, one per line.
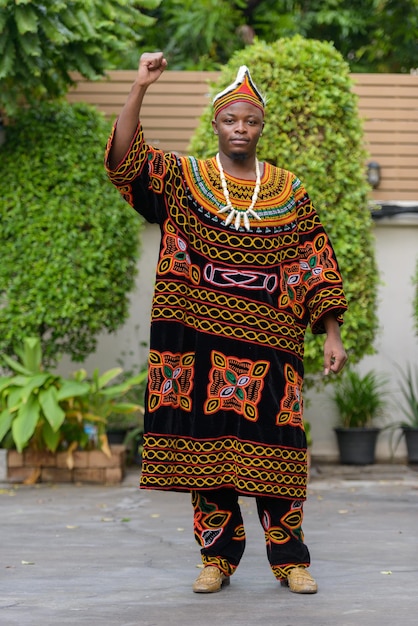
(324, 301)
(292, 291)
(174, 255)
(184, 464)
(255, 249)
(273, 534)
(293, 520)
(250, 279)
(170, 380)
(287, 529)
(315, 267)
(291, 404)
(216, 528)
(131, 166)
(209, 521)
(223, 315)
(275, 204)
(317, 263)
(235, 385)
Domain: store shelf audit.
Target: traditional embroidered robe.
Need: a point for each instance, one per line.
(229, 314)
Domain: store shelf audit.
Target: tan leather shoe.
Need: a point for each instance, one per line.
(300, 581)
(210, 580)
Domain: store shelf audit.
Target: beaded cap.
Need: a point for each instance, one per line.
(241, 90)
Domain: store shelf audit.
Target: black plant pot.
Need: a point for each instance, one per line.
(116, 435)
(411, 439)
(132, 444)
(137, 449)
(357, 446)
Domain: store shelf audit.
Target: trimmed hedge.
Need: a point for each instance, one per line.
(69, 243)
(313, 129)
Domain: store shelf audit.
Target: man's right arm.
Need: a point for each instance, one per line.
(151, 66)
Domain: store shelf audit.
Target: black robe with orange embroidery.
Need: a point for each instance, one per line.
(229, 314)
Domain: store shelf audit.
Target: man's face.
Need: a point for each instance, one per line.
(238, 128)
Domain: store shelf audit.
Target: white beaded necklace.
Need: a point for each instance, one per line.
(237, 213)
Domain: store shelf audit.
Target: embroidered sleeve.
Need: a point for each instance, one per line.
(319, 271)
(140, 176)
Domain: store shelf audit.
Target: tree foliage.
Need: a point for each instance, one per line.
(372, 35)
(313, 129)
(69, 246)
(196, 35)
(41, 42)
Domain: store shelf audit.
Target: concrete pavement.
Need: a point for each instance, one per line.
(117, 556)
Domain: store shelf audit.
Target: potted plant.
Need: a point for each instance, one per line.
(119, 423)
(128, 428)
(33, 401)
(110, 408)
(44, 417)
(359, 399)
(409, 425)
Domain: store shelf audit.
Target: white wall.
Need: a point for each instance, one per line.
(396, 252)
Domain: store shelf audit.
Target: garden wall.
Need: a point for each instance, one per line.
(171, 110)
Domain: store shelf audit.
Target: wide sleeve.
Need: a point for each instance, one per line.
(320, 276)
(140, 176)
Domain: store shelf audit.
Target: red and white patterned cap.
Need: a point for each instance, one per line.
(241, 90)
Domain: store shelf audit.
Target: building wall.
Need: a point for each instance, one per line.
(396, 344)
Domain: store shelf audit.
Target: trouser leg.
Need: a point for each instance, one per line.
(218, 528)
(282, 523)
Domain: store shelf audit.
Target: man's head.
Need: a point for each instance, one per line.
(239, 117)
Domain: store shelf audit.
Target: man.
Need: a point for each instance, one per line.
(244, 266)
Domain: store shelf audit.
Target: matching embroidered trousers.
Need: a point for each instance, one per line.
(220, 533)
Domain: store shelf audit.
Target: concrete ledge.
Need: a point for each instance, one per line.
(377, 471)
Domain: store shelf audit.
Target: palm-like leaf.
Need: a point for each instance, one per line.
(360, 399)
(409, 389)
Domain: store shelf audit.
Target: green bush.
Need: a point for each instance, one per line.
(69, 244)
(313, 129)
